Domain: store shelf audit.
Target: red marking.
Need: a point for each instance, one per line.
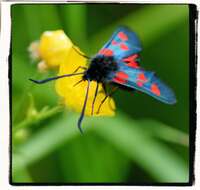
(101, 51)
(155, 89)
(122, 36)
(118, 80)
(133, 64)
(114, 42)
(106, 52)
(121, 77)
(131, 60)
(142, 77)
(124, 46)
(140, 84)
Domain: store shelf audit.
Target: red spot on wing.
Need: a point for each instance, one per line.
(114, 42)
(155, 89)
(122, 36)
(124, 46)
(140, 84)
(120, 77)
(141, 77)
(130, 58)
(106, 52)
(131, 61)
(133, 64)
(122, 74)
(118, 80)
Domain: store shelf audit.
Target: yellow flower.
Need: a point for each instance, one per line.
(51, 49)
(56, 50)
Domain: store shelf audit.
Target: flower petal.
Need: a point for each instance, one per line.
(54, 47)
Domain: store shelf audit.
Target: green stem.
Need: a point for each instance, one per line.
(37, 118)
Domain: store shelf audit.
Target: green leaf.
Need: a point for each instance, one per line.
(165, 132)
(90, 159)
(127, 135)
(159, 160)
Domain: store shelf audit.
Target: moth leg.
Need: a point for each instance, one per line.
(78, 82)
(107, 95)
(105, 88)
(80, 67)
(106, 92)
(95, 95)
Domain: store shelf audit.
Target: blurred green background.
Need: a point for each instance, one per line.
(146, 142)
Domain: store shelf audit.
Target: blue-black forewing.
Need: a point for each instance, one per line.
(122, 44)
(144, 81)
(125, 46)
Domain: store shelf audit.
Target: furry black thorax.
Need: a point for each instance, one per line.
(100, 68)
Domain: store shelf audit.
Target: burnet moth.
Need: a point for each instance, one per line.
(117, 65)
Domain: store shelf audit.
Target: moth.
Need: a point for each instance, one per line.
(117, 64)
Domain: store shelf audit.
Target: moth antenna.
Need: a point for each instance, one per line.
(54, 78)
(83, 109)
(95, 95)
(81, 53)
